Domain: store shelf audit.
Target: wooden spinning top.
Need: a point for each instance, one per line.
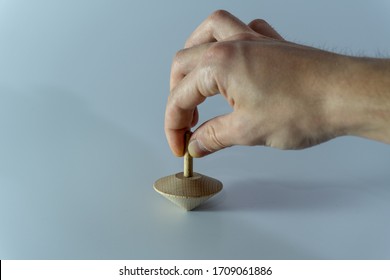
(187, 189)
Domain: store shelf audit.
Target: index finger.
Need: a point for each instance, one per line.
(181, 112)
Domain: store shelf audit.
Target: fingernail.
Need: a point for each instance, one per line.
(196, 149)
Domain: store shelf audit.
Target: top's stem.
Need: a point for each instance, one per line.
(188, 168)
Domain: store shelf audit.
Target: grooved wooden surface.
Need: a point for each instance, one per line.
(196, 186)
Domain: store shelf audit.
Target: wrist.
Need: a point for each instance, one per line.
(359, 99)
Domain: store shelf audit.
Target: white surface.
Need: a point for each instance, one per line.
(83, 86)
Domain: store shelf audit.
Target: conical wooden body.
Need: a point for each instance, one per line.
(187, 192)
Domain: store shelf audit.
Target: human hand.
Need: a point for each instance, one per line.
(283, 95)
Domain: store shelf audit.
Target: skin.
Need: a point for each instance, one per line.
(283, 95)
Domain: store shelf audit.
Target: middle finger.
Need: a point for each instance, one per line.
(217, 27)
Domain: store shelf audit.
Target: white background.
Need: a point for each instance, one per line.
(83, 86)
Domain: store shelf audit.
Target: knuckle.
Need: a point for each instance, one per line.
(178, 57)
(258, 21)
(219, 15)
(215, 143)
(221, 51)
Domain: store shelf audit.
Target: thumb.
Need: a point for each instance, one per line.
(212, 136)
